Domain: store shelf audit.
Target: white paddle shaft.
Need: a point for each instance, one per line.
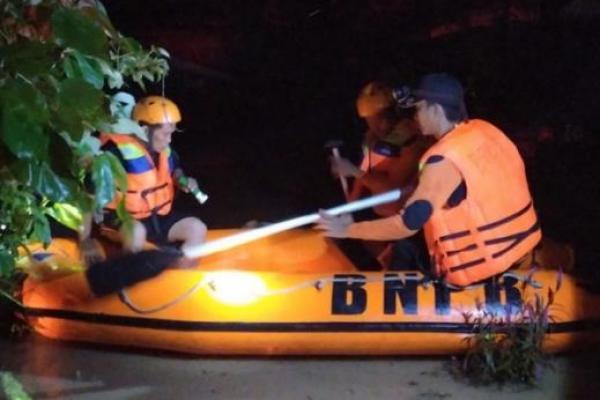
(343, 180)
(238, 239)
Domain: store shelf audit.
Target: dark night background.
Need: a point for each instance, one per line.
(263, 84)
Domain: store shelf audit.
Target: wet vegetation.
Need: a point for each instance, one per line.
(506, 346)
(61, 61)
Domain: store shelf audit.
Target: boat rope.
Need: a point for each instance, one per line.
(318, 284)
(526, 279)
(140, 310)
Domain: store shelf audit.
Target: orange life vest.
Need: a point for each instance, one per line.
(405, 165)
(150, 188)
(496, 224)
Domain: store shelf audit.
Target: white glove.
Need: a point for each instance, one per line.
(334, 226)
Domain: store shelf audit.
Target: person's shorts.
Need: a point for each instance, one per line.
(157, 226)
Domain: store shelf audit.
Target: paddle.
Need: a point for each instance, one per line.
(115, 274)
(334, 145)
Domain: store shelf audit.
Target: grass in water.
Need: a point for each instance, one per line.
(506, 346)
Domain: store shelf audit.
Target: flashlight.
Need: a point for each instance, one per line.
(199, 194)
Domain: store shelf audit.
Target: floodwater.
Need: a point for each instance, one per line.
(54, 370)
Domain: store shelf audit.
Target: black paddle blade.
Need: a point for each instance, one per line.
(112, 275)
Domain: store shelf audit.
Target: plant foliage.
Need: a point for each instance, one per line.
(12, 388)
(60, 61)
(506, 346)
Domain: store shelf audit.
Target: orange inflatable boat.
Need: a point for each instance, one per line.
(292, 293)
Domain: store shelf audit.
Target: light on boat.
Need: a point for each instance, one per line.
(234, 287)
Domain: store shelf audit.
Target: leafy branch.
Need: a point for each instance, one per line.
(60, 61)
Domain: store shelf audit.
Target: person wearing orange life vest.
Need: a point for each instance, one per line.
(152, 168)
(472, 200)
(392, 148)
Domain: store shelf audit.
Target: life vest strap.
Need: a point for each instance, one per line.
(148, 191)
(515, 238)
(467, 265)
(454, 235)
(489, 226)
(507, 219)
(154, 210)
(470, 247)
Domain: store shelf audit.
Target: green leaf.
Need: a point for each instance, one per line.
(53, 186)
(149, 76)
(88, 145)
(77, 94)
(7, 263)
(70, 68)
(114, 77)
(79, 102)
(137, 78)
(67, 214)
(41, 229)
(61, 158)
(103, 180)
(90, 70)
(23, 135)
(125, 217)
(12, 388)
(98, 14)
(44, 181)
(84, 201)
(24, 112)
(78, 65)
(28, 58)
(118, 171)
(132, 45)
(73, 29)
(17, 93)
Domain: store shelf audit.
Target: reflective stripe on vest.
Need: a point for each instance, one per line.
(150, 188)
(496, 224)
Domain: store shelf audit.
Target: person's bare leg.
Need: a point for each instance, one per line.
(192, 232)
(90, 249)
(134, 239)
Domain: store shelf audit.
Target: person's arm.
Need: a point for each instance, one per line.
(391, 173)
(356, 191)
(437, 182)
(176, 160)
(185, 183)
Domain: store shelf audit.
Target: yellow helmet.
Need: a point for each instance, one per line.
(154, 110)
(373, 98)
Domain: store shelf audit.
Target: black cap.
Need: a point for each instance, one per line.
(443, 89)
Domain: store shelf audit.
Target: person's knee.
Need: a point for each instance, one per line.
(188, 230)
(197, 229)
